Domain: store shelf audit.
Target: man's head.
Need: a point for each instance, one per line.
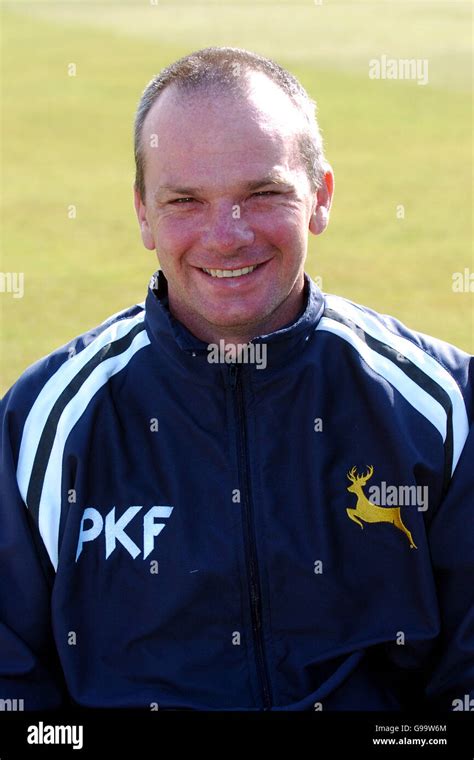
(230, 176)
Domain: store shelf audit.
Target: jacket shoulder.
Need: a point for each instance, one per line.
(433, 376)
(390, 337)
(72, 362)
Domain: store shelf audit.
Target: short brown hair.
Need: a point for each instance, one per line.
(217, 68)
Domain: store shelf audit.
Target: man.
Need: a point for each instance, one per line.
(242, 494)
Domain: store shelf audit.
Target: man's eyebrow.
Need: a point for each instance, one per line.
(179, 190)
(269, 179)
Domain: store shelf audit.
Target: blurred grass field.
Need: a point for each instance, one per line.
(67, 140)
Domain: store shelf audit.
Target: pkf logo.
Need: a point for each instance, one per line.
(93, 524)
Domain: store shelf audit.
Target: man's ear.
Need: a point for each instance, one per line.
(140, 208)
(320, 217)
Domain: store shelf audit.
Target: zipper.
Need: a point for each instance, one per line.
(249, 536)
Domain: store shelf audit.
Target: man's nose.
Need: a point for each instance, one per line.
(225, 230)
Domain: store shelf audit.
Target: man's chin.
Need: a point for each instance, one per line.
(234, 314)
(236, 324)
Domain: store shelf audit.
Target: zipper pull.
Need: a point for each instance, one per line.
(233, 373)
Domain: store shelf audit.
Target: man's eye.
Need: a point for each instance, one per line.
(182, 200)
(264, 193)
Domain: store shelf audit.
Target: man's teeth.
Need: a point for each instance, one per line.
(229, 272)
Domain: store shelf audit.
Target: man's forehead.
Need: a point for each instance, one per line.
(221, 143)
(255, 100)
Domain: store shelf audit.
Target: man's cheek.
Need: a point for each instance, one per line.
(286, 236)
(172, 238)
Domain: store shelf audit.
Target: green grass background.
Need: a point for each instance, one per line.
(68, 140)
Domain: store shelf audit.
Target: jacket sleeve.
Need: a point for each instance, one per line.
(451, 685)
(29, 669)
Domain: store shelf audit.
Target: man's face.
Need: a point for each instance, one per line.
(228, 206)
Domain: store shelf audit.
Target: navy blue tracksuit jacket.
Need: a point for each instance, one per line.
(179, 533)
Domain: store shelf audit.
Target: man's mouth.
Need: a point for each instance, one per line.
(230, 272)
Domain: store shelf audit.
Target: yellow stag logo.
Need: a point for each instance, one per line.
(372, 513)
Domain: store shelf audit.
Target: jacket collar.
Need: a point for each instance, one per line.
(175, 339)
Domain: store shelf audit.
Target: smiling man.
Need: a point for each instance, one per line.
(181, 533)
